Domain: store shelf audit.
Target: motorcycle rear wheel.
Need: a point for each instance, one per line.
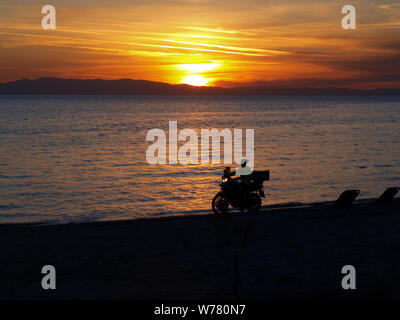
(254, 203)
(220, 204)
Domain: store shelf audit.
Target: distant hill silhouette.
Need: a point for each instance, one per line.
(57, 86)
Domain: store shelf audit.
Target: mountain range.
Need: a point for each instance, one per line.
(59, 86)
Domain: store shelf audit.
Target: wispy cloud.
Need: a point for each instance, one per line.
(192, 47)
(218, 30)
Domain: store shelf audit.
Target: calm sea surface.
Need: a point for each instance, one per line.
(66, 159)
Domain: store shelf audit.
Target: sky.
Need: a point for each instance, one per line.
(289, 43)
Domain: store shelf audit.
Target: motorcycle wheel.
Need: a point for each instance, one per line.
(219, 203)
(254, 203)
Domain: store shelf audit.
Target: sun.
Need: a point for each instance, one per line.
(195, 74)
(195, 80)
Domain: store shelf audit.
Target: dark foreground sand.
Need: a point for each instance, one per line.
(281, 253)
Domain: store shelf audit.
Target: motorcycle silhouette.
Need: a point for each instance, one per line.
(236, 195)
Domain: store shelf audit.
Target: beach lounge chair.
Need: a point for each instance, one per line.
(387, 196)
(346, 198)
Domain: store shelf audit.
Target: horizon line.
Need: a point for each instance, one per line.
(238, 86)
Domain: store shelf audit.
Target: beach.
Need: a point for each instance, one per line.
(282, 252)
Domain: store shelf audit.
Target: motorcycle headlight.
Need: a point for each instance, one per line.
(224, 179)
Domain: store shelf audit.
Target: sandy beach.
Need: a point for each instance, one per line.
(279, 253)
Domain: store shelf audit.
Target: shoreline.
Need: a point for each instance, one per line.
(265, 209)
(277, 254)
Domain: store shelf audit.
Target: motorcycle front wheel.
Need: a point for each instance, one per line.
(220, 203)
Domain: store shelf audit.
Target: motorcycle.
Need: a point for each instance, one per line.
(232, 190)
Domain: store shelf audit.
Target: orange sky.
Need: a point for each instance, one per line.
(292, 43)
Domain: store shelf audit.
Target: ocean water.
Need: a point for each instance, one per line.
(66, 159)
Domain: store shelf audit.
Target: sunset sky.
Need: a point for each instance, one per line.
(292, 43)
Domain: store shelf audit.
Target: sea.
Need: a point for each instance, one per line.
(70, 159)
